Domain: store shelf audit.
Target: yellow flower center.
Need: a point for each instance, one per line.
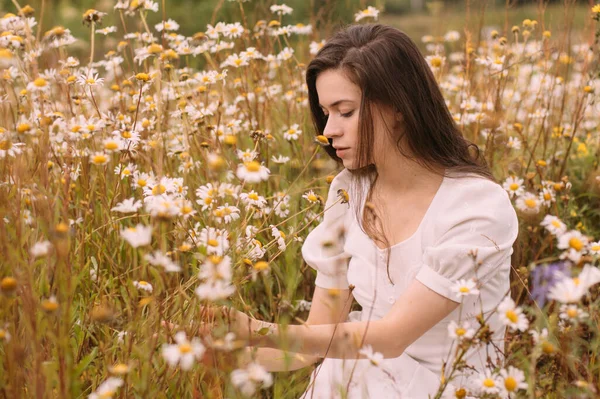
(111, 145)
(312, 197)
(23, 127)
(512, 316)
(464, 290)
(576, 244)
(460, 331)
(90, 81)
(510, 384)
(40, 82)
(514, 187)
(555, 223)
(142, 182)
(489, 383)
(595, 248)
(530, 203)
(99, 159)
(436, 62)
(107, 394)
(158, 189)
(547, 196)
(5, 145)
(213, 243)
(75, 129)
(91, 128)
(261, 265)
(572, 312)
(253, 196)
(252, 166)
(185, 348)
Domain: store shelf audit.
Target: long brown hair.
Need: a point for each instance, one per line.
(390, 70)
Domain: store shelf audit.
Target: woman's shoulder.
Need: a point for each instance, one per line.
(471, 196)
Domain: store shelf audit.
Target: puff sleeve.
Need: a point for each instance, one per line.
(323, 248)
(478, 218)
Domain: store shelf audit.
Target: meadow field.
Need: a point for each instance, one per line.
(151, 164)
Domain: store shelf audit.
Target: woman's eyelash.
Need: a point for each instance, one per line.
(346, 115)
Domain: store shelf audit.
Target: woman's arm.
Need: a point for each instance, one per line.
(328, 307)
(414, 313)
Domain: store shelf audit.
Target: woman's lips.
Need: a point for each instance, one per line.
(341, 151)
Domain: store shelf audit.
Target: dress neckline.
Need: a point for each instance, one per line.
(427, 212)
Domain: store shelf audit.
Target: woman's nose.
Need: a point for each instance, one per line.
(331, 129)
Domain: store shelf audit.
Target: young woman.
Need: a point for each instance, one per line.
(423, 213)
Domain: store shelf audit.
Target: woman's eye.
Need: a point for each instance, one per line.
(347, 114)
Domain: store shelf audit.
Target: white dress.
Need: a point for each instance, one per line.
(467, 213)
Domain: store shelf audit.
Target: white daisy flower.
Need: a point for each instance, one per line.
(292, 133)
(554, 225)
(157, 258)
(169, 25)
(572, 312)
(460, 331)
(512, 315)
(374, 357)
(547, 196)
(514, 186)
(90, 80)
(40, 249)
(183, 352)
(281, 9)
(311, 197)
(528, 203)
(107, 389)
(514, 143)
(252, 172)
(465, 287)
(129, 205)
(369, 12)
(251, 378)
(573, 240)
(513, 380)
(280, 159)
(143, 285)
(488, 383)
(137, 236)
(594, 248)
(215, 290)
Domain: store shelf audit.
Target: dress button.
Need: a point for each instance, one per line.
(391, 299)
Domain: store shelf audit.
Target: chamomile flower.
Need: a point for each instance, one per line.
(488, 383)
(528, 203)
(247, 155)
(169, 25)
(554, 225)
(129, 205)
(107, 389)
(465, 287)
(280, 159)
(40, 249)
(143, 285)
(292, 133)
(90, 80)
(314, 47)
(512, 315)
(215, 290)
(311, 197)
(183, 352)
(369, 12)
(513, 380)
(374, 357)
(137, 236)
(99, 158)
(460, 331)
(216, 268)
(573, 240)
(158, 258)
(572, 313)
(281, 9)
(214, 240)
(547, 196)
(226, 213)
(251, 378)
(594, 248)
(514, 186)
(252, 172)
(279, 237)
(514, 143)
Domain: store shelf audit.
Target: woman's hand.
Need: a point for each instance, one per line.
(248, 331)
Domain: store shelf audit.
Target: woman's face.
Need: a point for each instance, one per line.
(340, 100)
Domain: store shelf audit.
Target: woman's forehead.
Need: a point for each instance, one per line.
(333, 86)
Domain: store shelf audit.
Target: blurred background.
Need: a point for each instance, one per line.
(415, 17)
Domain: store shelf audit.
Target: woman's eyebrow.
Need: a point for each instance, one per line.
(337, 102)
